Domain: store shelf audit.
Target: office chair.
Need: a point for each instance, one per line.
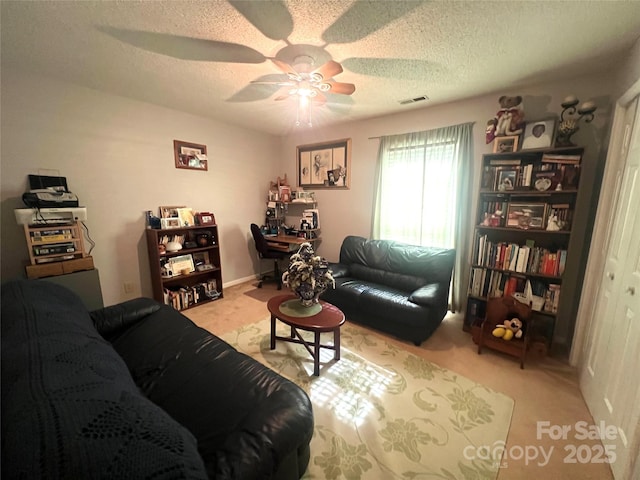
(265, 253)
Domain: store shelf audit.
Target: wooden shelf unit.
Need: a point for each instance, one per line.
(495, 231)
(183, 291)
(43, 241)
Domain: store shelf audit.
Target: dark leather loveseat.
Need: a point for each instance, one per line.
(391, 286)
(137, 391)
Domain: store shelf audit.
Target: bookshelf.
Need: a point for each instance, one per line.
(190, 276)
(526, 205)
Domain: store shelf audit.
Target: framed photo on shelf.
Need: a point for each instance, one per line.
(185, 215)
(182, 263)
(171, 222)
(205, 218)
(539, 134)
(505, 144)
(202, 261)
(506, 179)
(170, 212)
(192, 156)
(526, 215)
(325, 165)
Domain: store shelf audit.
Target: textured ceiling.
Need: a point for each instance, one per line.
(201, 56)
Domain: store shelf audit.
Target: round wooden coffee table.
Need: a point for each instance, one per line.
(329, 319)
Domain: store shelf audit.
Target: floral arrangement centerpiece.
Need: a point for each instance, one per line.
(308, 275)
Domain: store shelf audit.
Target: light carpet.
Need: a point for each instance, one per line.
(381, 412)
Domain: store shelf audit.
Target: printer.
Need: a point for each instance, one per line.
(49, 197)
(49, 192)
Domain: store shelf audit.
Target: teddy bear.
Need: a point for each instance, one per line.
(509, 120)
(509, 329)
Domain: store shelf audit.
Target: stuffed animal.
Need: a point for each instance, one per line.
(509, 120)
(509, 329)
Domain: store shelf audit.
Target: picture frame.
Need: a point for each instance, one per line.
(315, 161)
(182, 262)
(527, 215)
(185, 215)
(202, 261)
(506, 179)
(192, 156)
(171, 222)
(539, 134)
(170, 211)
(506, 144)
(205, 218)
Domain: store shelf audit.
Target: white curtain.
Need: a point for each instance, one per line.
(422, 194)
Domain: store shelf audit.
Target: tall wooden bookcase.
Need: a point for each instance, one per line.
(524, 236)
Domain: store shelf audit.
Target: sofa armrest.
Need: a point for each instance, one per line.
(339, 270)
(111, 321)
(430, 295)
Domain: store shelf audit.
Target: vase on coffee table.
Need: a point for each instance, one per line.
(308, 275)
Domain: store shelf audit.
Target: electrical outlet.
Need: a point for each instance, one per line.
(128, 287)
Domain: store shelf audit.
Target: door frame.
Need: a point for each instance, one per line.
(600, 240)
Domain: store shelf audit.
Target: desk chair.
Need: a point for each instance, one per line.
(265, 253)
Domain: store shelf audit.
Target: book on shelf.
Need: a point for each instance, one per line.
(53, 249)
(560, 158)
(182, 297)
(505, 161)
(51, 238)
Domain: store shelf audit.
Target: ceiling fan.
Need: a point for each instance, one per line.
(303, 82)
(296, 61)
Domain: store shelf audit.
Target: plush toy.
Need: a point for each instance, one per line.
(509, 329)
(508, 121)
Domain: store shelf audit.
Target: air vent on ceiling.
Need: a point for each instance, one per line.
(414, 100)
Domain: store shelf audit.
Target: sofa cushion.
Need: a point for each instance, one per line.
(431, 295)
(407, 283)
(70, 408)
(246, 417)
(430, 263)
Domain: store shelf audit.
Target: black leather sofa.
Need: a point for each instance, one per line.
(391, 286)
(137, 391)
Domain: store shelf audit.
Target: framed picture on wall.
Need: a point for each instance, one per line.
(325, 165)
(190, 155)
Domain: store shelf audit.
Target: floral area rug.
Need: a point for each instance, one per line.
(382, 413)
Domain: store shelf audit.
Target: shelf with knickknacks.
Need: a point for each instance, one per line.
(570, 118)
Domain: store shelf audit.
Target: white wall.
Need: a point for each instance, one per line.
(117, 155)
(350, 212)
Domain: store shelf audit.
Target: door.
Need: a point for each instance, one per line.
(609, 379)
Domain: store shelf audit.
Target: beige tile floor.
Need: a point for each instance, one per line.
(546, 390)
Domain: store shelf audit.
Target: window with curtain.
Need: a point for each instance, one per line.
(422, 194)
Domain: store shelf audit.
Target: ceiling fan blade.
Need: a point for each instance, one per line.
(328, 70)
(186, 48)
(319, 100)
(272, 18)
(341, 88)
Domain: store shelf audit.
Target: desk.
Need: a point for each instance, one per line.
(286, 243)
